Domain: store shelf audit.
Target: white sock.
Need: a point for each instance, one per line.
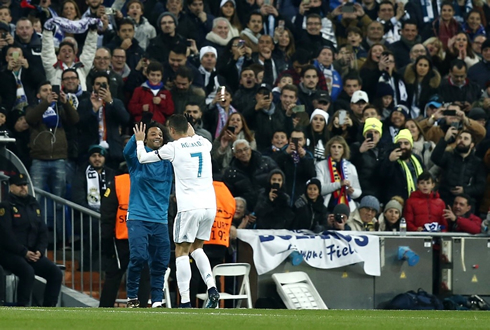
(156, 304)
(202, 263)
(183, 272)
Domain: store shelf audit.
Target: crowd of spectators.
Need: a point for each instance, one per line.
(322, 114)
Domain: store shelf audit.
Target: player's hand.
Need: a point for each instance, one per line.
(139, 131)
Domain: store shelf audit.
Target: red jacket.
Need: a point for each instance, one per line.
(421, 209)
(470, 225)
(143, 95)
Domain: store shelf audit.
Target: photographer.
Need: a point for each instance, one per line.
(297, 163)
(272, 209)
(101, 116)
(463, 171)
(337, 220)
(450, 115)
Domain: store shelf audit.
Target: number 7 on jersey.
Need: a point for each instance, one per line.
(198, 154)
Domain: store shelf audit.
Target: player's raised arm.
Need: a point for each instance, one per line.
(143, 155)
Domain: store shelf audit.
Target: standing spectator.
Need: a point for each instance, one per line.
(445, 27)
(310, 213)
(235, 128)
(421, 146)
(184, 92)
(399, 167)
(228, 10)
(247, 172)
(340, 183)
(273, 210)
(251, 33)
(159, 47)
(208, 57)
(151, 101)
(324, 62)
(24, 240)
(480, 72)
(19, 80)
(102, 61)
(389, 220)
(308, 87)
(264, 118)
(101, 117)
(457, 88)
(143, 30)
(118, 63)
(463, 171)
(391, 20)
(219, 111)
(200, 21)
(19, 130)
(317, 134)
(29, 41)
(297, 164)
(54, 65)
(126, 40)
(459, 47)
(409, 37)
(422, 81)
(424, 206)
(194, 111)
(367, 156)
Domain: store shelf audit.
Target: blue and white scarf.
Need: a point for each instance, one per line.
(75, 27)
(50, 117)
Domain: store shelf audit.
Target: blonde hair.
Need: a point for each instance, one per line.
(438, 43)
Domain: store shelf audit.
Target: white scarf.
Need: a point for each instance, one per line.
(213, 37)
(254, 39)
(93, 187)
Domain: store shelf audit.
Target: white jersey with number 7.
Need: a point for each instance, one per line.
(191, 158)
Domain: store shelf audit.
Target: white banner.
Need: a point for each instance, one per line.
(331, 249)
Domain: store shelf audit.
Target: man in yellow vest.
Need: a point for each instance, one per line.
(115, 245)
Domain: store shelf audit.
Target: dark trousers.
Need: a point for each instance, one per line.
(25, 271)
(149, 243)
(114, 273)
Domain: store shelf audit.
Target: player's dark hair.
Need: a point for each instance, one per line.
(179, 123)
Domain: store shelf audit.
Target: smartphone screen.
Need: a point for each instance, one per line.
(342, 116)
(231, 129)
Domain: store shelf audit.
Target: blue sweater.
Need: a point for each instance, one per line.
(150, 187)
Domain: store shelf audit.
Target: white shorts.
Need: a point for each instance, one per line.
(193, 224)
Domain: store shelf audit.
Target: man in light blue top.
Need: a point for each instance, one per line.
(147, 218)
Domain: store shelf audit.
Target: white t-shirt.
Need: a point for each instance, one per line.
(191, 158)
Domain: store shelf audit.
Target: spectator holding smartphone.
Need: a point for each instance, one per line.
(367, 157)
(272, 209)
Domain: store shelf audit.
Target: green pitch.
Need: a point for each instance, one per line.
(236, 319)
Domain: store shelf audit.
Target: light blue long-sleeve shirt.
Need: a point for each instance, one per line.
(150, 187)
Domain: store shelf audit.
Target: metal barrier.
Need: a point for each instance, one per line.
(73, 216)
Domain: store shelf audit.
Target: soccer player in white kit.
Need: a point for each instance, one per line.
(190, 155)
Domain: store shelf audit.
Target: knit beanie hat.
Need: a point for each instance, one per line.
(384, 89)
(370, 202)
(321, 113)
(341, 209)
(394, 204)
(404, 134)
(373, 123)
(167, 13)
(207, 49)
(316, 182)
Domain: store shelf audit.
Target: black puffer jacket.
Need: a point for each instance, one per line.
(368, 168)
(310, 215)
(276, 214)
(245, 181)
(467, 172)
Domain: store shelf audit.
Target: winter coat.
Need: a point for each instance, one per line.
(469, 223)
(54, 69)
(470, 92)
(245, 181)
(297, 174)
(264, 124)
(276, 214)
(428, 87)
(310, 215)
(50, 143)
(421, 208)
(144, 95)
(468, 172)
(435, 133)
(394, 179)
(479, 73)
(368, 164)
(329, 187)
